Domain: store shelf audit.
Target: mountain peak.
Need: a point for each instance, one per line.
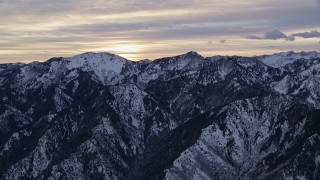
(192, 54)
(90, 56)
(95, 55)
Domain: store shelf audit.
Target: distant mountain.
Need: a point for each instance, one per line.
(101, 116)
(284, 58)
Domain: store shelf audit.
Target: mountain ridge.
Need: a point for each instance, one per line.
(292, 54)
(101, 116)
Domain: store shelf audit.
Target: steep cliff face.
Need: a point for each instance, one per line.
(98, 115)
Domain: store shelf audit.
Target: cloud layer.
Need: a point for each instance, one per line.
(276, 34)
(273, 35)
(312, 34)
(138, 29)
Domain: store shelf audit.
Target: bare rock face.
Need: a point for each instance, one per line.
(100, 116)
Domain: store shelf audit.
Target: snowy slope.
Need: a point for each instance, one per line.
(282, 59)
(104, 67)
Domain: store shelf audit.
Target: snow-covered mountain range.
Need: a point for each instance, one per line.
(101, 116)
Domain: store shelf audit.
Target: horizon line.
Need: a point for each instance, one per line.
(119, 54)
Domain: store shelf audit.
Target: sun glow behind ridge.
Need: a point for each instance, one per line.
(126, 50)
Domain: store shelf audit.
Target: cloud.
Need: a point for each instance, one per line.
(312, 34)
(253, 37)
(276, 34)
(291, 38)
(97, 24)
(271, 35)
